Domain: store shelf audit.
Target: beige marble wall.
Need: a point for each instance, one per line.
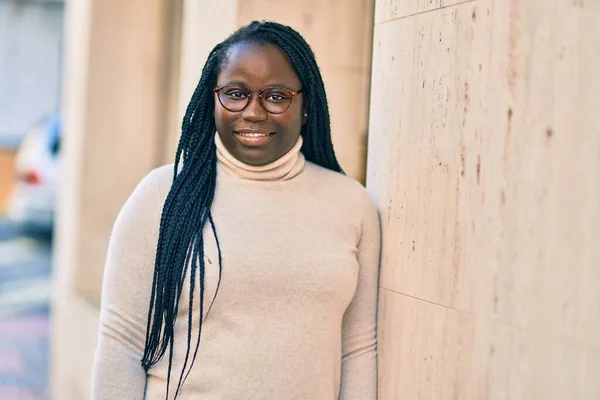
(484, 158)
(340, 34)
(116, 110)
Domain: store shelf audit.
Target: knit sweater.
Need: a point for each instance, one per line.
(295, 315)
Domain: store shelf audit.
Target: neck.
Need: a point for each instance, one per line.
(284, 168)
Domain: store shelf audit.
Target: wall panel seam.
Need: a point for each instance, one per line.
(428, 301)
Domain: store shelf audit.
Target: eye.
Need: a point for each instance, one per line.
(276, 97)
(236, 94)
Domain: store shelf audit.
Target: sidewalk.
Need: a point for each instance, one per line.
(24, 314)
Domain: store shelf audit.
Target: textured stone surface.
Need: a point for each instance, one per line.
(484, 158)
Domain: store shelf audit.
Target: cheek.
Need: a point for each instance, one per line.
(293, 122)
(222, 118)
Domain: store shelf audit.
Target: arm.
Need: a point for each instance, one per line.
(359, 330)
(117, 370)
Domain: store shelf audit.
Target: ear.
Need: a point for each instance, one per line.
(304, 113)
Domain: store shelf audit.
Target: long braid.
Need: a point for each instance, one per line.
(187, 206)
(317, 146)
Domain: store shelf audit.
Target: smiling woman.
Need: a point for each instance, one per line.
(260, 118)
(249, 268)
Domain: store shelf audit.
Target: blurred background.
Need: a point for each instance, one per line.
(474, 125)
(31, 37)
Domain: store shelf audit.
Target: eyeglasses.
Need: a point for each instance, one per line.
(274, 99)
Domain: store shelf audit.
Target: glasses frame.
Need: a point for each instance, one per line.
(290, 93)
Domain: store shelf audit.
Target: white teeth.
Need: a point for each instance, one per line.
(254, 134)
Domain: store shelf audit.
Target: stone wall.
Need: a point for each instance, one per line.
(484, 158)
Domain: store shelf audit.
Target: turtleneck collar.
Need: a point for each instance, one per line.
(284, 168)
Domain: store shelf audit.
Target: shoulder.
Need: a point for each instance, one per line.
(342, 190)
(148, 196)
(158, 179)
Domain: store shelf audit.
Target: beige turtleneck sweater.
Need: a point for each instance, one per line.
(295, 316)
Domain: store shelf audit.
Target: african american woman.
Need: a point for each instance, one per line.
(248, 269)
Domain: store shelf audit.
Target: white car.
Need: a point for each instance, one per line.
(33, 200)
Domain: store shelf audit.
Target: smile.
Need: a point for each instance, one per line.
(255, 139)
(253, 134)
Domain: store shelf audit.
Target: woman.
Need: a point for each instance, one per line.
(254, 228)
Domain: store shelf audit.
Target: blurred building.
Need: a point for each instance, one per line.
(483, 157)
(30, 39)
(30, 61)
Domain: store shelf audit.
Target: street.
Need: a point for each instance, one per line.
(25, 264)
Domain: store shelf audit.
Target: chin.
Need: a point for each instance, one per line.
(255, 157)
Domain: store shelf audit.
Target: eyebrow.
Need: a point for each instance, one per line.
(237, 83)
(242, 85)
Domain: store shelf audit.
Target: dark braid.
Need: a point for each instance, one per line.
(188, 203)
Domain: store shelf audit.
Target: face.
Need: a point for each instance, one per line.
(253, 135)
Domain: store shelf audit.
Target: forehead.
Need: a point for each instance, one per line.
(256, 66)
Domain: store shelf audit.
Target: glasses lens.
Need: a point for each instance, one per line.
(276, 100)
(233, 98)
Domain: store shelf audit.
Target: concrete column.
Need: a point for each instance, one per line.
(116, 110)
(203, 26)
(484, 158)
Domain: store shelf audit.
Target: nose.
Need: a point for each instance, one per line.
(254, 111)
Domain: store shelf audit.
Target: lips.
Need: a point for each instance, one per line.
(253, 138)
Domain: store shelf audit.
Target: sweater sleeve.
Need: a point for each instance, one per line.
(359, 330)
(117, 371)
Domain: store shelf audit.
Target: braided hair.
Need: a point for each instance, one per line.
(187, 207)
